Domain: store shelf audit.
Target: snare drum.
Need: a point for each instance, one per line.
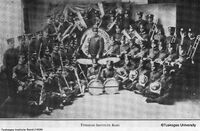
(95, 87)
(104, 60)
(111, 86)
(84, 61)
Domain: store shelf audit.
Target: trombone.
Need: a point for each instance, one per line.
(192, 50)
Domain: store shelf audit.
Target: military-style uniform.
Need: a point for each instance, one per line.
(92, 72)
(96, 46)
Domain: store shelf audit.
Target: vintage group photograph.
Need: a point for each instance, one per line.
(99, 59)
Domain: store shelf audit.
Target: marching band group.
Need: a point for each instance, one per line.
(48, 69)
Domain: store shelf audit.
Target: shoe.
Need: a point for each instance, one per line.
(149, 100)
(61, 106)
(47, 111)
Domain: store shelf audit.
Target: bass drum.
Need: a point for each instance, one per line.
(111, 86)
(95, 87)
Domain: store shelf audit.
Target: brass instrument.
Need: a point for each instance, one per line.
(62, 68)
(193, 49)
(110, 26)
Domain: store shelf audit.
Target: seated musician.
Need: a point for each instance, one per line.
(143, 79)
(159, 34)
(154, 51)
(156, 72)
(166, 94)
(108, 72)
(171, 39)
(162, 52)
(143, 33)
(172, 54)
(20, 73)
(92, 72)
(96, 45)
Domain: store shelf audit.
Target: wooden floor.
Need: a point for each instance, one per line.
(126, 105)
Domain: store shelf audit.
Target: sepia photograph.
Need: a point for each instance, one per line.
(100, 59)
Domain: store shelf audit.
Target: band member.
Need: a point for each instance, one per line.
(139, 20)
(56, 58)
(150, 22)
(127, 20)
(166, 95)
(115, 48)
(23, 48)
(93, 72)
(143, 33)
(159, 34)
(20, 75)
(163, 53)
(109, 71)
(96, 45)
(34, 65)
(171, 39)
(143, 79)
(46, 62)
(154, 51)
(191, 36)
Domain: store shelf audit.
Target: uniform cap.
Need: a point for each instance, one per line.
(150, 16)
(139, 13)
(10, 40)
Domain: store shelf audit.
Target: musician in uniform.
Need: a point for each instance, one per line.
(96, 45)
(10, 59)
(115, 48)
(127, 20)
(154, 51)
(155, 74)
(109, 71)
(166, 95)
(150, 23)
(92, 72)
(56, 57)
(171, 39)
(143, 79)
(139, 20)
(23, 48)
(143, 33)
(51, 32)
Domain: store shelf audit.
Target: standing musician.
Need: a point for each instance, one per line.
(191, 36)
(163, 52)
(139, 21)
(23, 48)
(10, 59)
(96, 45)
(56, 58)
(126, 20)
(115, 48)
(150, 23)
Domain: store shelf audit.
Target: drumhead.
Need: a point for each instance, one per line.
(84, 61)
(104, 60)
(95, 84)
(112, 82)
(95, 87)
